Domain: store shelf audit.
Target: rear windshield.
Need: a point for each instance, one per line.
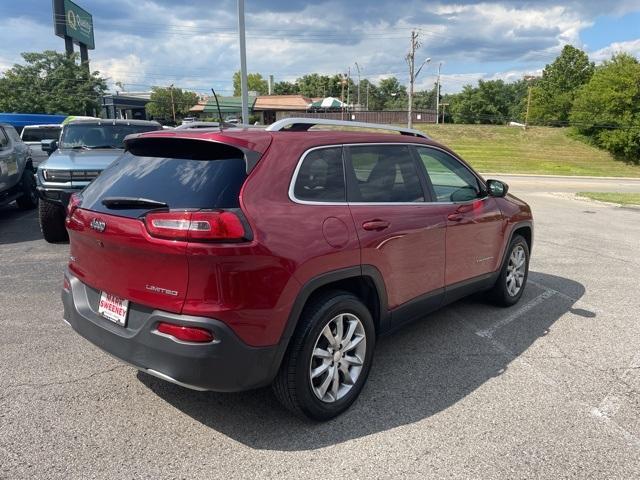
(39, 134)
(180, 183)
(92, 135)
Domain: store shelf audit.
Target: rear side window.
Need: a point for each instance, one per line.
(39, 134)
(178, 182)
(321, 176)
(384, 174)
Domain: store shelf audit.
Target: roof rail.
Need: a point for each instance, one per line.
(304, 124)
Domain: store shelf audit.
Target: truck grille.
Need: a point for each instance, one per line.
(63, 176)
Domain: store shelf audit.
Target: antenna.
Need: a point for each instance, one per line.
(221, 124)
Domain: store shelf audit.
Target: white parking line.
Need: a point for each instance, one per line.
(488, 332)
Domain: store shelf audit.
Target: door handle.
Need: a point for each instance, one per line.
(375, 225)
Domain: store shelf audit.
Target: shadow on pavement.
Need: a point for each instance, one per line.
(18, 225)
(423, 369)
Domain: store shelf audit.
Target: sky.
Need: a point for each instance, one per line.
(194, 43)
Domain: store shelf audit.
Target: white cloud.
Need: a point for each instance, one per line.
(632, 47)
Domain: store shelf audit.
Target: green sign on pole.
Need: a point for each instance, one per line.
(78, 24)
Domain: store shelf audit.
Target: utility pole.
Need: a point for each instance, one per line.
(173, 105)
(411, 56)
(342, 97)
(526, 118)
(413, 74)
(438, 94)
(358, 67)
(368, 95)
(243, 64)
(528, 79)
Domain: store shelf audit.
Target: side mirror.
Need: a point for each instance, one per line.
(49, 146)
(496, 188)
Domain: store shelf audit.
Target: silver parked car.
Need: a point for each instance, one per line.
(17, 180)
(33, 135)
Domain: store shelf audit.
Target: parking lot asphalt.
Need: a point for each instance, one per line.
(548, 388)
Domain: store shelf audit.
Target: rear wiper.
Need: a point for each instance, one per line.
(115, 203)
(78, 147)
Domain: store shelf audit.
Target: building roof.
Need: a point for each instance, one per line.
(227, 104)
(282, 102)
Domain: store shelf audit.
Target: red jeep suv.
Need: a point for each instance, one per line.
(232, 259)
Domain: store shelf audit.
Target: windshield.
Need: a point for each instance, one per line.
(92, 135)
(39, 134)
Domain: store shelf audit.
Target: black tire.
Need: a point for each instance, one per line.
(292, 385)
(51, 218)
(500, 293)
(29, 197)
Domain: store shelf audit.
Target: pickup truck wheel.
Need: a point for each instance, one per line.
(29, 197)
(513, 276)
(52, 222)
(329, 357)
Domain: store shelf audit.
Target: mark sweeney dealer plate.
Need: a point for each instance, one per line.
(113, 308)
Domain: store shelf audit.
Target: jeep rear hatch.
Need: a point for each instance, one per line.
(130, 229)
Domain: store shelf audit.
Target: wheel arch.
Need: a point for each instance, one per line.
(364, 281)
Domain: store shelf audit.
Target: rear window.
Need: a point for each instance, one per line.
(178, 182)
(39, 134)
(93, 135)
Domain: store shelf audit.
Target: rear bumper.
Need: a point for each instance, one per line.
(225, 365)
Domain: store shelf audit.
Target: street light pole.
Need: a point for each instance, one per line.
(173, 105)
(243, 64)
(358, 67)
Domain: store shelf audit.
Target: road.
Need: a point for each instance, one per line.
(545, 389)
(541, 183)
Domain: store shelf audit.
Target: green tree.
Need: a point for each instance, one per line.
(51, 82)
(607, 109)
(316, 85)
(285, 88)
(492, 101)
(552, 97)
(161, 106)
(370, 94)
(255, 83)
(425, 99)
(393, 94)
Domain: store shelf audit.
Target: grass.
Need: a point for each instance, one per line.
(619, 198)
(538, 150)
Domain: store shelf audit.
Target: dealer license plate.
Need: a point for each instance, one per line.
(113, 308)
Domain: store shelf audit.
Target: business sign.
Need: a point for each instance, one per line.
(72, 21)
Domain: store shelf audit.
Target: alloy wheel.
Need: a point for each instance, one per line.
(337, 357)
(516, 270)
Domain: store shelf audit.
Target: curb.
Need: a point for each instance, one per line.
(571, 177)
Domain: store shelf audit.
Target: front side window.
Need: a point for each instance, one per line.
(451, 180)
(94, 135)
(384, 174)
(321, 176)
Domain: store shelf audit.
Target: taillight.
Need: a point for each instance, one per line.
(186, 334)
(218, 225)
(74, 202)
